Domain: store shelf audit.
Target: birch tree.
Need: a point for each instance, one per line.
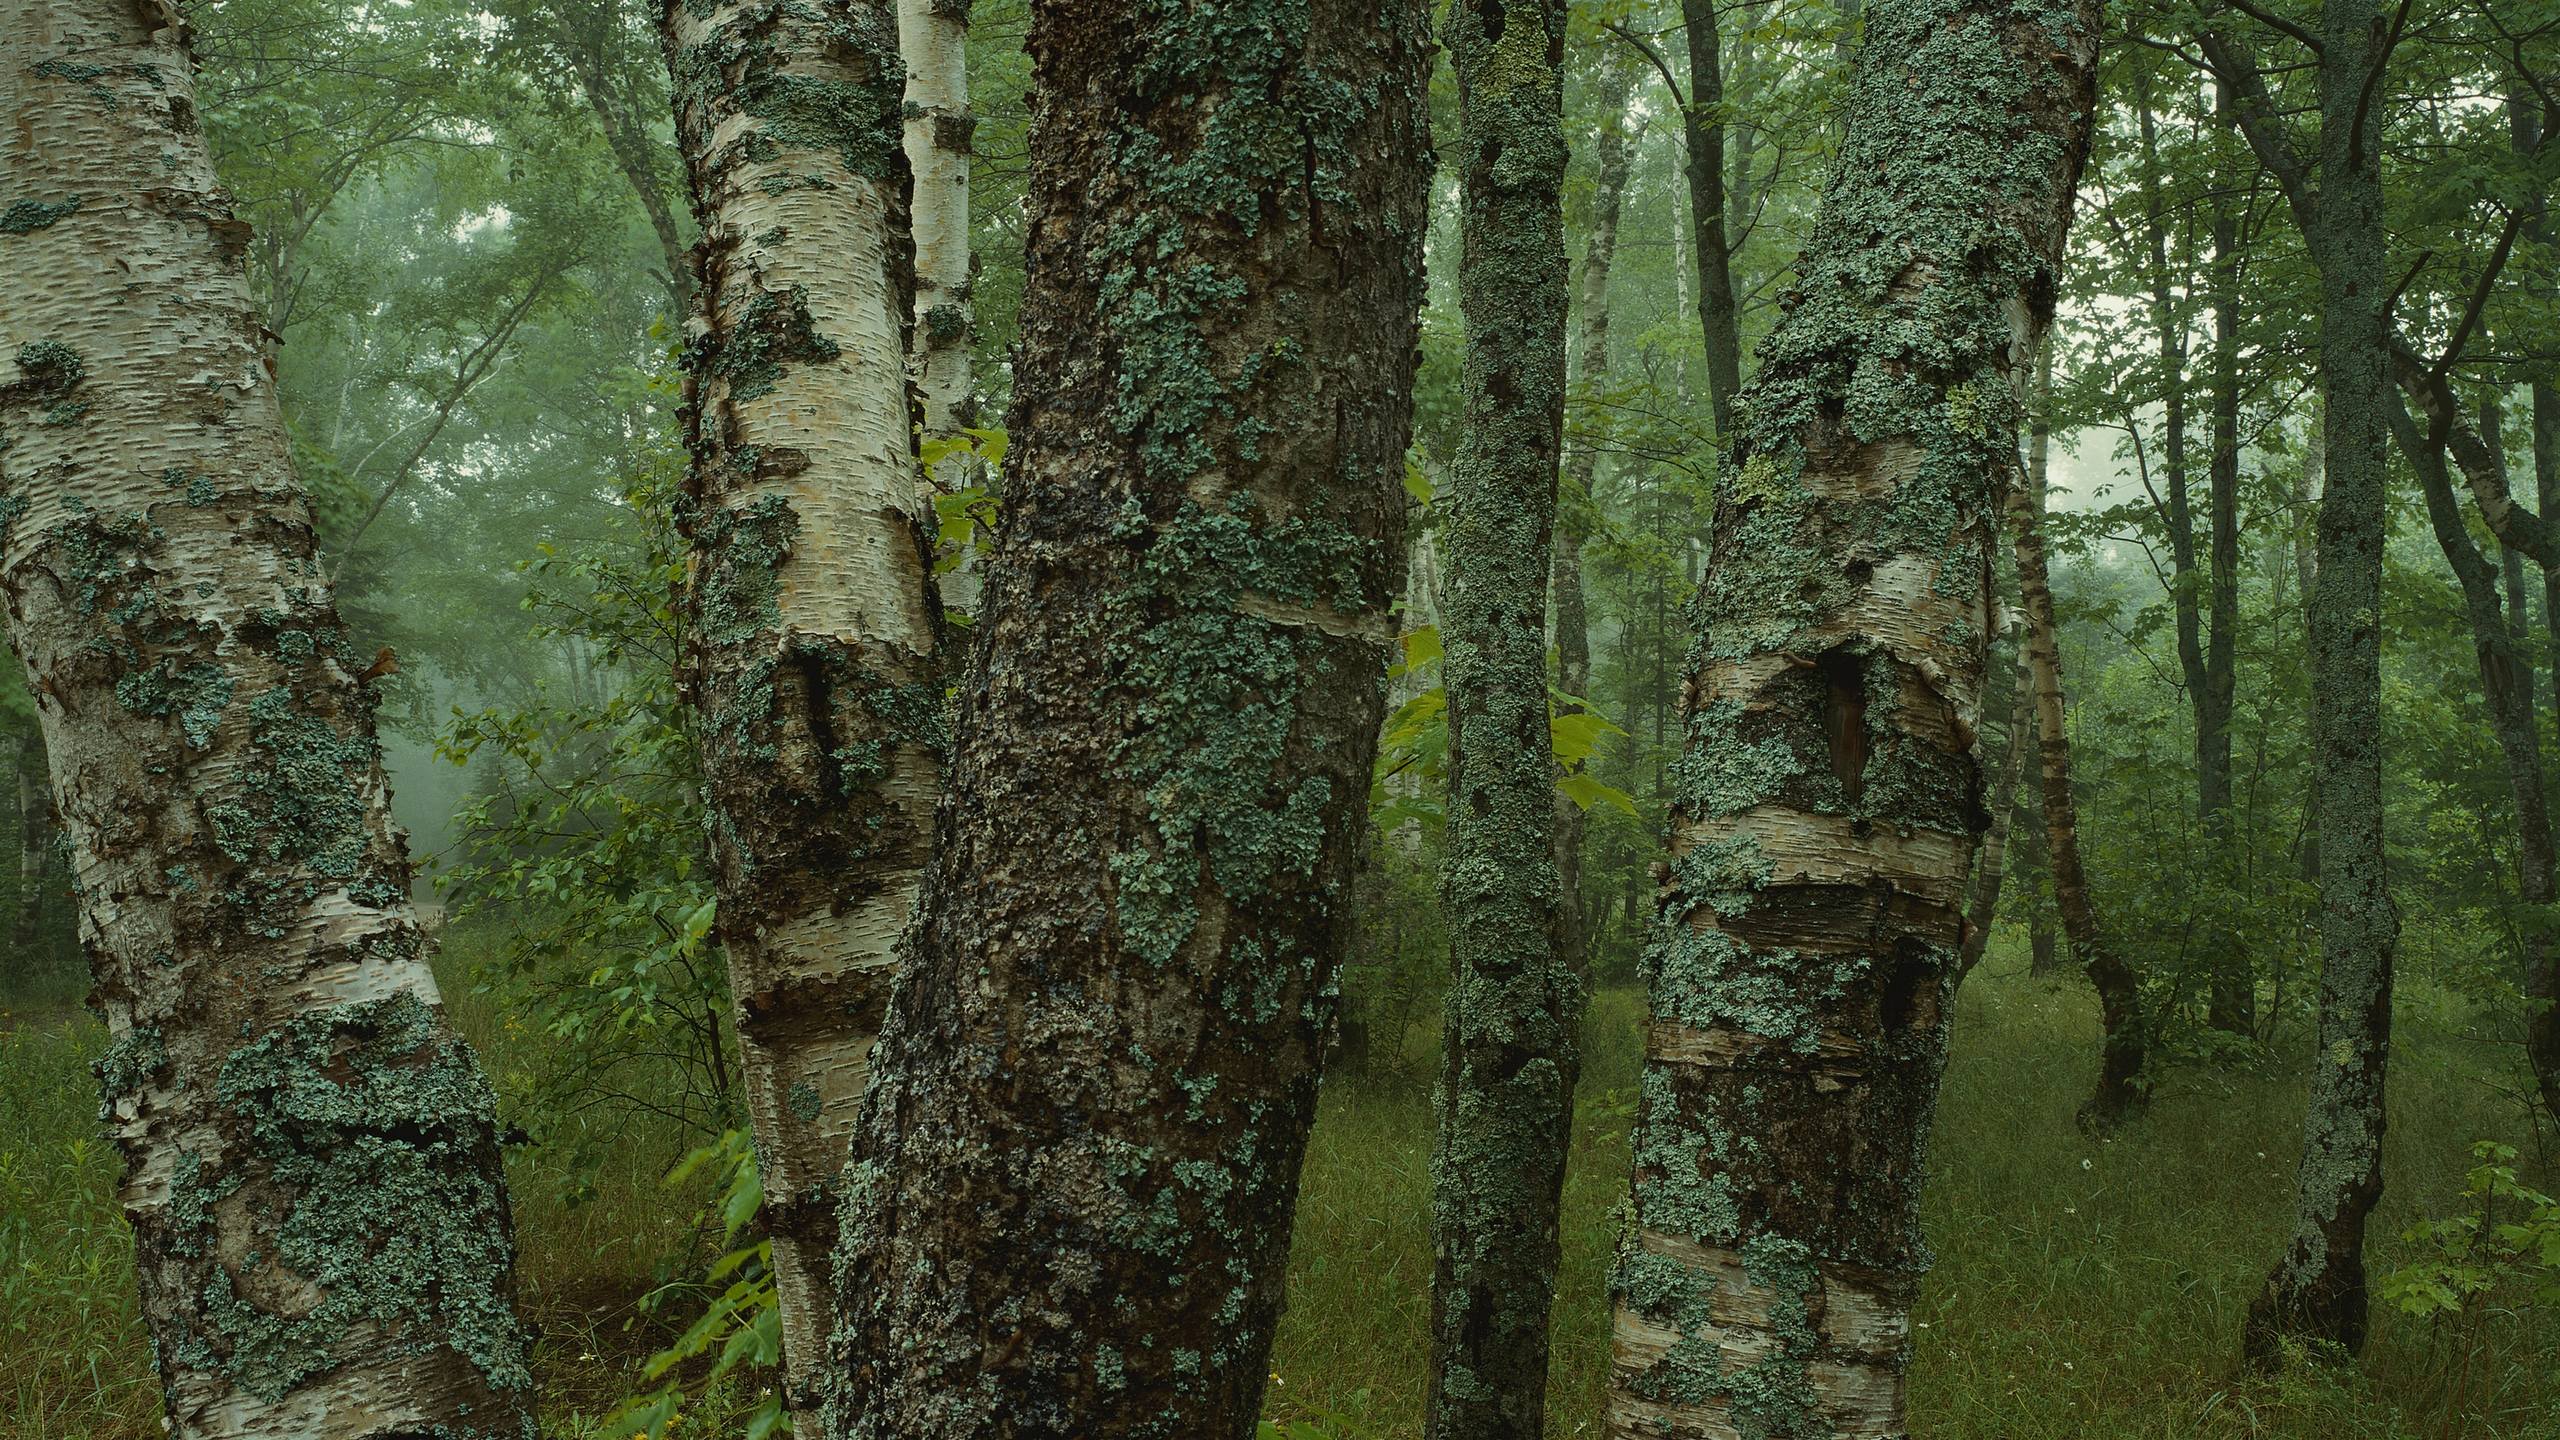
(2123, 1038)
(1508, 1056)
(1069, 1209)
(1829, 794)
(933, 38)
(813, 618)
(310, 1165)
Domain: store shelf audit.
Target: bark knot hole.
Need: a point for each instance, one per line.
(1844, 718)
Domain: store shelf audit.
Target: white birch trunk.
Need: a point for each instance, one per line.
(814, 621)
(933, 36)
(320, 1226)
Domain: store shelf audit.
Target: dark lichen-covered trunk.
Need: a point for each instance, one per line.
(2118, 1092)
(1829, 793)
(2317, 1291)
(320, 1228)
(811, 609)
(1069, 1211)
(1507, 1059)
(1702, 127)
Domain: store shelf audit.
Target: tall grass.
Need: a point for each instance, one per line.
(2082, 1289)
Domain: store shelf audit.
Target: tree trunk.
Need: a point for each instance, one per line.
(2233, 1004)
(1829, 793)
(35, 824)
(812, 620)
(2317, 1292)
(1702, 126)
(1508, 1058)
(933, 36)
(311, 1167)
(1614, 150)
(2525, 120)
(1069, 1211)
(1982, 893)
(2119, 1092)
(2542, 987)
(2506, 684)
(2170, 330)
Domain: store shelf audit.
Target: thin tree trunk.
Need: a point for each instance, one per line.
(812, 618)
(2119, 1092)
(1508, 1060)
(1614, 149)
(2169, 329)
(1982, 893)
(311, 1167)
(933, 36)
(2526, 128)
(35, 822)
(1069, 1211)
(2233, 1005)
(1702, 123)
(1830, 788)
(2506, 681)
(626, 134)
(2542, 987)
(2317, 1291)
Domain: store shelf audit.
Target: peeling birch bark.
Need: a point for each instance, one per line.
(813, 617)
(1829, 792)
(310, 1163)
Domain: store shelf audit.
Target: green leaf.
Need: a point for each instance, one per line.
(1421, 647)
(1585, 791)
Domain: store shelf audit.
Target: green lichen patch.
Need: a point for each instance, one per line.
(303, 803)
(738, 586)
(25, 217)
(47, 370)
(1215, 691)
(196, 695)
(127, 1064)
(364, 1134)
(756, 60)
(771, 333)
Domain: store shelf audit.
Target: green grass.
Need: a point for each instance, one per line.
(2082, 1290)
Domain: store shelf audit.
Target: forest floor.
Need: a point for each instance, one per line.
(2082, 1289)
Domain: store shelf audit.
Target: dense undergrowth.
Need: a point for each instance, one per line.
(2082, 1290)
